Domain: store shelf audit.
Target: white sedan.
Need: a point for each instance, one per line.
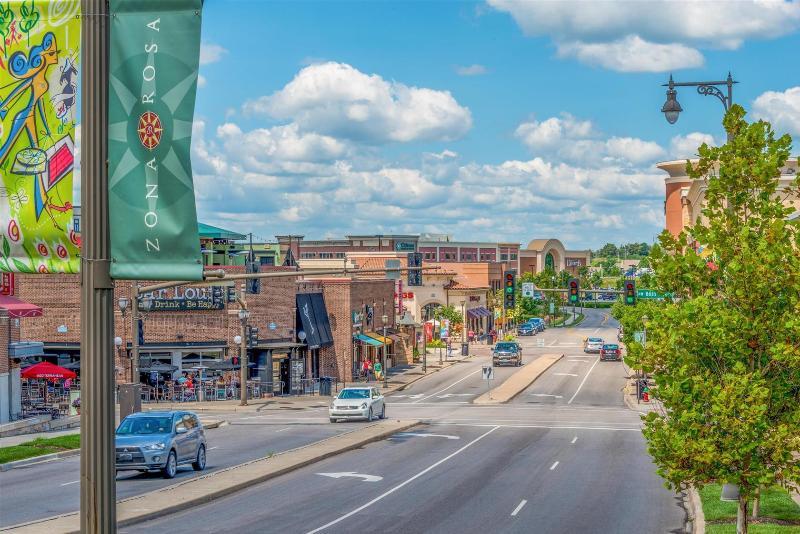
(358, 403)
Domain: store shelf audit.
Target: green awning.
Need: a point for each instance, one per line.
(368, 340)
(212, 232)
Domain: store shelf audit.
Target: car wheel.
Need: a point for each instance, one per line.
(171, 467)
(383, 412)
(370, 416)
(200, 462)
(333, 419)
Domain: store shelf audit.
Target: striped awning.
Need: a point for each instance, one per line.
(477, 313)
(368, 340)
(383, 340)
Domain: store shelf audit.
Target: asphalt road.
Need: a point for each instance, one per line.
(564, 456)
(51, 488)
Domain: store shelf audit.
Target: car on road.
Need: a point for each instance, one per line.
(507, 352)
(160, 441)
(593, 344)
(610, 351)
(358, 403)
(526, 329)
(537, 323)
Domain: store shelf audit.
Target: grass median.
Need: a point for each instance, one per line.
(778, 513)
(38, 447)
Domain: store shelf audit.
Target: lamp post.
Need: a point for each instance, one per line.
(123, 304)
(385, 319)
(244, 314)
(672, 109)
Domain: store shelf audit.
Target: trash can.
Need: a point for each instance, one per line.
(465, 349)
(325, 386)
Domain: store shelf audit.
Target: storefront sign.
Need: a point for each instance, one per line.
(358, 319)
(185, 298)
(573, 262)
(39, 67)
(405, 246)
(474, 298)
(153, 64)
(7, 284)
(405, 295)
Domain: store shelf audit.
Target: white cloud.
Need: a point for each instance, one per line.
(471, 70)
(338, 100)
(201, 81)
(782, 109)
(566, 138)
(633, 54)
(596, 31)
(685, 146)
(211, 53)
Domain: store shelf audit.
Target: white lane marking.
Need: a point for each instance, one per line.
(553, 466)
(579, 361)
(553, 343)
(545, 395)
(68, 483)
(212, 448)
(448, 395)
(476, 371)
(367, 478)
(402, 484)
(420, 434)
(583, 381)
(596, 331)
(519, 507)
(568, 344)
(283, 429)
(574, 439)
(565, 374)
(548, 427)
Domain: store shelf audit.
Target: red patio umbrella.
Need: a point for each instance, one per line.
(47, 370)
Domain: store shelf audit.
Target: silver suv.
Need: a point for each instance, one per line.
(149, 441)
(507, 352)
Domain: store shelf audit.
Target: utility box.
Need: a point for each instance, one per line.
(130, 399)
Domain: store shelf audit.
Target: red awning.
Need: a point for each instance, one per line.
(47, 370)
(19, 308)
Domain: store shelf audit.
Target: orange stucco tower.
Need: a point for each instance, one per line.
(676, 186)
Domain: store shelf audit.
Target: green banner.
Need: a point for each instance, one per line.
(39, 55)
(155, 55)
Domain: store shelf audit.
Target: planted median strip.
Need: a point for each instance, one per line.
(198, 491)
(39, 447)
(778, 514)
(519, 381)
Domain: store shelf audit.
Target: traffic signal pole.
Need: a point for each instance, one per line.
(98, 485)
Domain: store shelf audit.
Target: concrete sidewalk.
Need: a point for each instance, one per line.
(201, 490)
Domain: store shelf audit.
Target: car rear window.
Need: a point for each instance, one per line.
(595, 340)
(610, 346)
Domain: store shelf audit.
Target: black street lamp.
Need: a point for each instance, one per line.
(672, 109)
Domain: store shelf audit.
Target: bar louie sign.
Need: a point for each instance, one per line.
(184, 299)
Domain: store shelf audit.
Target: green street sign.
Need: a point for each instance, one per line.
(651, 294)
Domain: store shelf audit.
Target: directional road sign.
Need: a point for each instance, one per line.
(488, 372)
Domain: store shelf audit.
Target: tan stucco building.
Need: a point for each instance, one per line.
(541, 254)
(684, 197)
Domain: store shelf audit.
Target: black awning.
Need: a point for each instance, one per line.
(313, 317)
(321, 313)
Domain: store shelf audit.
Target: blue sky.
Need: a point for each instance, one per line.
(496, 120)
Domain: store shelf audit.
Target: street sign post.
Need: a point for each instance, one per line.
(488, 375)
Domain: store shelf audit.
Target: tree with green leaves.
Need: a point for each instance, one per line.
(725, 354)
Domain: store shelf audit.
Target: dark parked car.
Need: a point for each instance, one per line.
(526, 330)
(611, 351)
(152, 441)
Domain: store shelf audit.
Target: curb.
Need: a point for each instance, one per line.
(696, 516)
(136, 509)
(486, 398)
(37, 459)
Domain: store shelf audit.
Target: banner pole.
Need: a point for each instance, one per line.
(98, 484)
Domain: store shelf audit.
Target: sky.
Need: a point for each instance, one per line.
(495, 120)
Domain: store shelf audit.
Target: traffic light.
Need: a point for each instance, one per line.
(140, 331)
(252, 336)
(253, 284)
(509, 290)
(574, 290)
(414, 275)
(630, 292)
